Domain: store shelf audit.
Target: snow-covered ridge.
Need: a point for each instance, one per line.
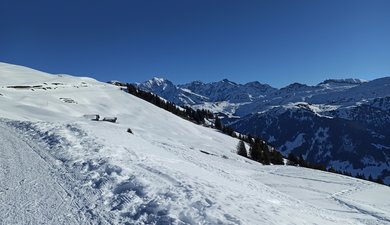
(19, 75)
(197, 92)
(157, 81)
(345, 81)
(254, 95)
(95, 172)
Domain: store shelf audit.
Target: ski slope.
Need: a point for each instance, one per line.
(59, 167)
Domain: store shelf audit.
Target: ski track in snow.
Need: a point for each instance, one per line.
(341, 197)
(51, 190)
(29, 194)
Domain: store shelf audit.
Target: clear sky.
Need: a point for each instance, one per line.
(275, 42)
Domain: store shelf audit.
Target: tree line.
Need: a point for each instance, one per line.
(198, 116)
(259, 150)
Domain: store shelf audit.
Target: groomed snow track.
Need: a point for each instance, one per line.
(33, 189)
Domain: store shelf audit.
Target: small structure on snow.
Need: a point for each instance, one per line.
(94, 117)
(110, 119)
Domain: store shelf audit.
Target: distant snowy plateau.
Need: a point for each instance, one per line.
(57, 166)
(343, 123)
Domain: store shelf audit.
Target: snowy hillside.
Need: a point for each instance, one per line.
(57, 166)
(339, 122)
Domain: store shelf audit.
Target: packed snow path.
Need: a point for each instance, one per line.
(29, 194)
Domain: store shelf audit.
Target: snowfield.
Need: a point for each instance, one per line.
(59, 167)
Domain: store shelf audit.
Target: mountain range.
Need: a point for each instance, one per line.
(341, 123)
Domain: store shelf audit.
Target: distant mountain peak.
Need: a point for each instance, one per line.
(193, 83)
(295, 86)
(228, 81)
(343, 81)
(198, 82)
(158, 80)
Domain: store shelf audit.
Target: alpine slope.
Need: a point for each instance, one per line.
(57, 166)
(339, 123)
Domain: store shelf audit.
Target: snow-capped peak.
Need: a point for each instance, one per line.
(158, 81)
(344, 81)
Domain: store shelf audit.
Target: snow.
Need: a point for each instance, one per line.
(156, 80)
(224, 107)
(322, 134)
(30, 194)
(320, 110)
(290, 145)
(59, 167)
(340, 165)
(371, 167)
(380, 147)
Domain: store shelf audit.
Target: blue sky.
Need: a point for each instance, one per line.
(275, 42)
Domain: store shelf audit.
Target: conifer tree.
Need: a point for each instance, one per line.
(241, 150)
(218, 124)
(250, 139)
(360, 176)
(276, 158)
(265, 157)
(255, 152)
(379, 180)
(302, 162)
(292, 159)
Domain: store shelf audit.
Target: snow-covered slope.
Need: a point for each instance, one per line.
(59, 167)
(353, 112)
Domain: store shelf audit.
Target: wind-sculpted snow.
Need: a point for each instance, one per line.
(59, 167)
